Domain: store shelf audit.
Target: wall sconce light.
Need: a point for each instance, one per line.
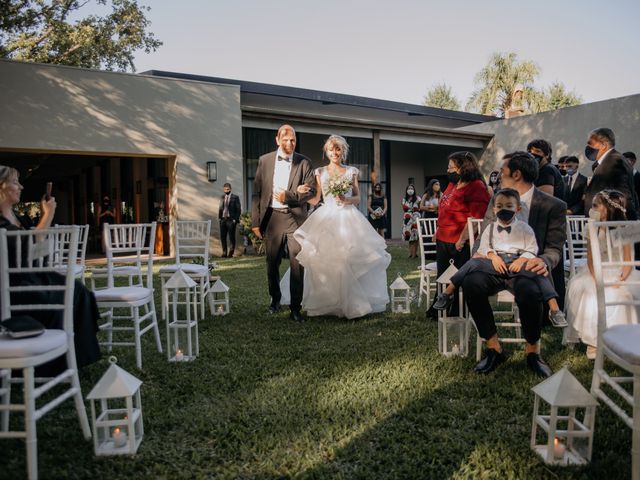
(212, 171)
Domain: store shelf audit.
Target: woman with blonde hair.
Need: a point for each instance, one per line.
(344, 258)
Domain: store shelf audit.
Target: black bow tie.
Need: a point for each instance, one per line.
(506, 229)
(286, 159)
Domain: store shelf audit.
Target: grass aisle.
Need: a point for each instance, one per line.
(330, 398)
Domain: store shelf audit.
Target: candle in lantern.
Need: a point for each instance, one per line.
(456, 349)
(220, 308)
(558, 448)
(179, 355)
(119, 438)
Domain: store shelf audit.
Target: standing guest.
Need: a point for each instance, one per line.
(410, 216)
(229, 216)
(631, 158)
(106, 214)
(582, 304)
(85, 309)
(278, 210)
(576, 183)
(546, 215)
(430, 199)
(494, 182)
(466, 196)
(377, 208)
(610, 170)
(549, 179)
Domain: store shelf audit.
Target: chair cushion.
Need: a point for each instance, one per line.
(624, 341)
(578, 263)
(186, 268)
(123, 270)
(121, 294)
(32, 346)
(77, 270)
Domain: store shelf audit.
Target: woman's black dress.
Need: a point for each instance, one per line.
(85, 309)
(378, 223)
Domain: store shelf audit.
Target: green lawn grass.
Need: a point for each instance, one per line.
(330, 398)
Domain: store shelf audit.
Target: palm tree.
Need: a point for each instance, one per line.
(497, 81)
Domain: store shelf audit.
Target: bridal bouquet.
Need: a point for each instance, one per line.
(339, 185)
(376, 214)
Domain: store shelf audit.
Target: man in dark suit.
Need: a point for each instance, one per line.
(229, 216)
(278, 210)
(547, 217)
(610, 170)
(576, 185)
(631, 158)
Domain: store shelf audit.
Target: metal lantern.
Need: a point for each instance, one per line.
(182, 325)
(220, 294)
(117, 421)
(569, 436)
(400, 296)
(453, 332)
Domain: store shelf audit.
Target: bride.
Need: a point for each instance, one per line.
(345, 260)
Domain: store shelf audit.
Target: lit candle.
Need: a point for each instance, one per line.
(179, 355)
(455, 350)
(119, 438)
(558, 448)
(220, 308)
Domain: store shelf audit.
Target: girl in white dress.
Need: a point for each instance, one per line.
(345, 260)
(582, 304)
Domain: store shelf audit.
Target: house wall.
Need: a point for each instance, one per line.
(70, 110)
(567, 129)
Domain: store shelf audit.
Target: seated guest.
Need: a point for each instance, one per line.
(505, 246)
(582, 304)
(85, 310)
(546, 215)
(549, 179)
(576, 183)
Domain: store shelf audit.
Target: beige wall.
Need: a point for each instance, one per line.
(567, 130)
(63, 109)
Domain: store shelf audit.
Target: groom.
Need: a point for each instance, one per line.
(278, 210)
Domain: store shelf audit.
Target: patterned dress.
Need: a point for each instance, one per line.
(410, 216)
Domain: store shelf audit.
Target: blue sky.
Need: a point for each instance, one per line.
(397, 50)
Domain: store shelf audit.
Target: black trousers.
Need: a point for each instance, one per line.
(228, 228)
(479, 286)
(544, 284)
(278, 233)
(445, 252)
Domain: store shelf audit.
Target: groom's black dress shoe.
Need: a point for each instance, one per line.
(491, 360)
(538, 366)
(274, 308)
(297, 316)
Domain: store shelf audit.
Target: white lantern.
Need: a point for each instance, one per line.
(567, 422)
(220, 294)
(400, 296)
(182, 325)
(453, 332)
(117, 423)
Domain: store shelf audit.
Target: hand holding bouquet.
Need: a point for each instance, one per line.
(339, 185)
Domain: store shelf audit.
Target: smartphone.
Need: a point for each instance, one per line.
(49, 188)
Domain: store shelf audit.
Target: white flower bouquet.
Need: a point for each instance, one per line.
(339, 185)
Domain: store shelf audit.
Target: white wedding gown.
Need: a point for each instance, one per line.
(345, 260)
(582, 303)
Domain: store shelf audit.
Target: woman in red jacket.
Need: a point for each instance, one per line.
(466, 196)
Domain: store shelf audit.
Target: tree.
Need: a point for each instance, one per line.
(41, 31)
(440, 96)
(497, 81)
(558, 97)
